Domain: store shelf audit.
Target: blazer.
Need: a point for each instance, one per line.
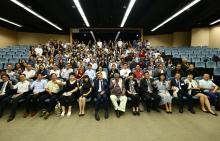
(157, 73)
(7, 88)
(127, 85)
(96, 85)
(184, 68)
(144, 86)
(173, 72)
(183, 85)
(116, 71)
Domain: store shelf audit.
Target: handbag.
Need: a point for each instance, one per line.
(141, 107)
(58, 109)
(195, 92)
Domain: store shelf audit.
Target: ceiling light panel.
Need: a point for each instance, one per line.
(130, 6)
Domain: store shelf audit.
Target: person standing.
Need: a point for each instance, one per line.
(100, 92)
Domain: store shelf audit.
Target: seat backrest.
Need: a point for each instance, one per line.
(3, 60)
(169, 71)
(216, 71)
(199, 64)
(211, 64)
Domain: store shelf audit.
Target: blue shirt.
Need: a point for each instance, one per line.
(90, 73)
(39, 86)
(207, 84)
(45, 72)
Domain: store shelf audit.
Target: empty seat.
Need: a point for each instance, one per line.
(213, 52)
(199, 64)
(7, 55)
(17, 56)
(192, 55)
(216, 71)
(184, 55)
(200, 55)
(1, 66)
(215, 49)
(205, 59)
(169, 71)
(176, 56)
(196, 59)
(211, 64)
(205, 52)
(218, 64)
(198, 78)
(209, 55)
(3, 60)
(13, 60)
(19, 52)
(11, 52)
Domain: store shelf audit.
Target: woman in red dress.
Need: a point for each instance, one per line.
(80, 73)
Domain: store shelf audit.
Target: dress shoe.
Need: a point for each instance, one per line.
(155, 109)
(47, 115)
(138, 113)
(181, 111)
(117, 113)
(26, 114)
(10, 118)
(97, 116)
(134, 113)
(121, 113)
(0, 116)
(170, 112)
(215, 114)
(42, 113)
(148, 110)
(192, 111)
(33, 113)
(106, 114)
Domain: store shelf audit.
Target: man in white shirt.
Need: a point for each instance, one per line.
(99, 43)
(21, 92)
(147, 44)
(29, 72)
(112, 63)
(65, 72)
(90, 72)
(125, 71)
(156, 53)
(94, 64)
(39, 50)
(120, 43)
(55, 70)
(10, 72)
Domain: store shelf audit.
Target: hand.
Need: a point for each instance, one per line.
(159, 70)
(55, 82)
(169, 82)
(174, 89)
(187, 81)
(211, 88)
(1, 94)
(123, 93)
(35, 93)
(10, 82)
(154, 83)
(92, 84)
(213, 91)
(16, 95)
(150, 92)
(102, 93)
(29, 84)
(50, 93)
(84, 94)
(68, 93)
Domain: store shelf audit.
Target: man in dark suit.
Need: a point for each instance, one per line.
(177, 82)
(5, 89)
(148, 92)
(160, 70)
(100, 92)
(184, 66)
(177, 70)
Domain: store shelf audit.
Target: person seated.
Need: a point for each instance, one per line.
(1, 73)
(112, 63)
(90, 72)
(162, 87)
(55, 70)
(177, 70)
(192, 70)
(43, 71)
(138, 73)
(16, 95)
(209, 89)
(69, 93)
(133, 64)
(52, 92)
(61, 64)
(80, 63)
(137, 59)
(80, 73)
(156, 53)
(5, 89)
(128, 58)
(50, 64)
(73, 63)
(150, 71)
(86, 59)
(152, 63)
(30, 74)
(147, 86)
(117, 90)
(180, 87)
(141, 54)
(31, 61)
(159, 59)
(100, 69)
(65, 72)
(160, 70)
(142, 64)
(169, 63)
(184, 66)
(112, 72)
(125, 71)
(9, 72)
(86, 87)
(37, 65)
(103, 64)
(131, 86)
(38, 89)
(94, 64)
(193, 89)
(100, 89)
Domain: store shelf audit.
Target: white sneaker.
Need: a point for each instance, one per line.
(62, 114)
(68, 114)
(213, 108)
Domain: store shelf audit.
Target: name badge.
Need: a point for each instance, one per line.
(182, 83)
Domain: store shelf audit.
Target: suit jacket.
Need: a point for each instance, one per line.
(96, 85)
(7, 88)
(127, 85)
(173, 72)
(144, 86)
(116, 71)
(182, 84)
(157, 73)
(184, 68)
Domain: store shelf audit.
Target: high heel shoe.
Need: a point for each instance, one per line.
(215, 114)
(138, 113)
(134, 113)
(80, 115)
(170, 112)
(167, 112)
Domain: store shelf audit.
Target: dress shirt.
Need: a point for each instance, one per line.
(119, 43)
(39, 51)
(207, 84)
(99, 44)
(29, 73)
(122, 72)
(57, 72)
(110, 65)
(90, 73)
(100, 86)
(65, 73)
(11, 74)
(22, 86)
(39, 86)
(94, 66)
(54, 88)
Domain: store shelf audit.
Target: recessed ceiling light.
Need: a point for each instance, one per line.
(10, 22)
(34, 13)
(29, 6)
(176, 14)
(199, 23)
(215, 22)
(130, 6)
(124, 6)
(73, 6)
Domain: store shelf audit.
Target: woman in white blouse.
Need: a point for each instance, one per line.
(192, 84)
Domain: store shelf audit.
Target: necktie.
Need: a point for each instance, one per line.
(149, 84)
(3, 86)
(178, 84)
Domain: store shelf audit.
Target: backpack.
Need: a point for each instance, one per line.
(215, 58)
(217, 105)
(58, 109)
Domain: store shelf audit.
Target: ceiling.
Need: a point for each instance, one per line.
(145, 14)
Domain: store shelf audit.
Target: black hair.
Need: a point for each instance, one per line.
(162, 74)
(5, 75)
(53, 74)
(86, 76)
(72, 73)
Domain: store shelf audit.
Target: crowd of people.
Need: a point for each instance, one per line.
(116, 71)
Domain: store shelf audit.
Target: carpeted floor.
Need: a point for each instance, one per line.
(151, 126)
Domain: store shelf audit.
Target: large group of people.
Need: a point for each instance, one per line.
(114, 71)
